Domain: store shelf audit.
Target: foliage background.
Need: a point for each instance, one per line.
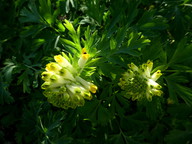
(123, 31)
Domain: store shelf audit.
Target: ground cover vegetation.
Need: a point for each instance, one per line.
(96, 72)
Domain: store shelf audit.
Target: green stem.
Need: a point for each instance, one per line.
(56, 42)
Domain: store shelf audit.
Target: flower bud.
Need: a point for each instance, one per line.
(93, 88)
(45, 85)
(133, 67)
(66, 74)
(62, 61)
(46, 76)
(87, 85)
(83, 59)
(52, 67)
(156, 75)
(87, 95)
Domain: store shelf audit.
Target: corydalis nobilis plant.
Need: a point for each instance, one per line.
(63, 85)
(138, 83)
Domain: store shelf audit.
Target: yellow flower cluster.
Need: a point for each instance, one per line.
(63, 87)
(138, 83)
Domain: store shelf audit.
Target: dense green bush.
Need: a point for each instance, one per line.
(122, 108)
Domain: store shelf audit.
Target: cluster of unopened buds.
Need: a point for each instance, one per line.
(138, 83)
(63, 86)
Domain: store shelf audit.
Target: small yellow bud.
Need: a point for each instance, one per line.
(133, 67)
(83, 59)
(149, 65)
(53, 78)
(45, 85)
(87, 95)
(62, 61)
(54, 67)
(93, 88)
(84, 54)
(58, 58)
(46, 76)
(156, 75)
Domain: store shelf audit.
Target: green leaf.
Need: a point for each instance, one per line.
(109, 70)
(131, 10)
(179, 111)
(95, 10)
(113, 43)
(60, 26)
(178, 24)
(136, 41)
(150, 23)
(63, 140)
(8, 69)
(67, 5)
(182, 53)
(32, 30)
(31, 14)
(53, 123)
(176, 89)
(118, 104)
(43, 15)
(117, 139)
(122, 138)
(181, 68)
(122, 32)
(70, 46)
(104, 115)
(154, 108)
(70, 27)
(5, 96)
(185, 93)
(96, 112)
(178, 136)
(90, 41)
(24, 78)
(46, 11)
(153, 51)
(75, 35)
(90, 109)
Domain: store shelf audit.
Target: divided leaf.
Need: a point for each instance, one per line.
(175, 88)
(182, 52)
(5, 96)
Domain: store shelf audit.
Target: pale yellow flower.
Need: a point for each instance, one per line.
(138, 83)
(63, 86)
